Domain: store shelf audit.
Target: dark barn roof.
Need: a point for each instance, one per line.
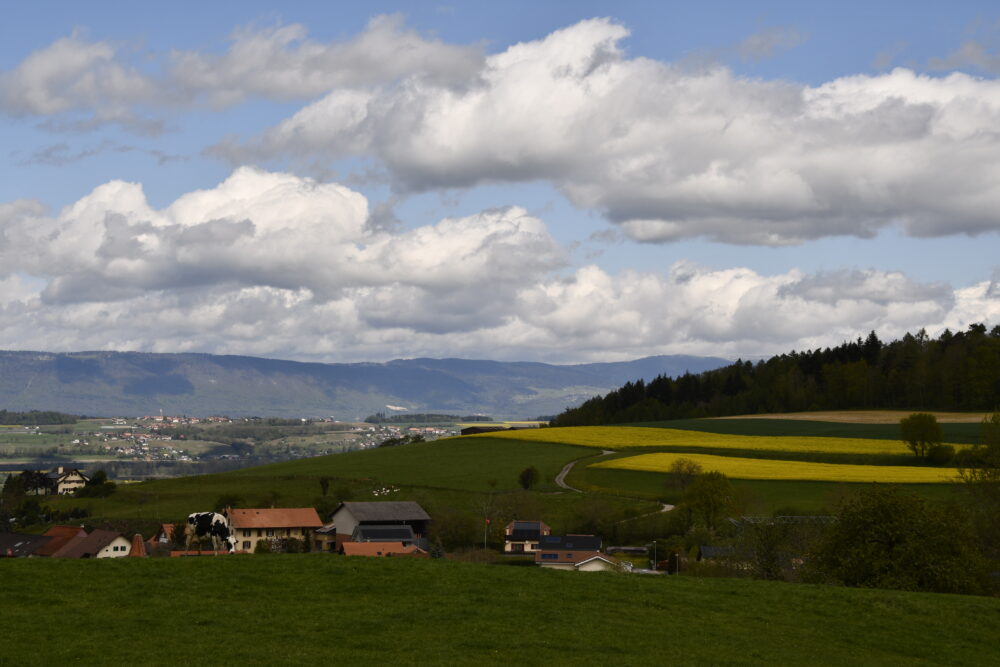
(20, 545)
(566, 542)
(525, 530)
(397, 533)
(404, 510)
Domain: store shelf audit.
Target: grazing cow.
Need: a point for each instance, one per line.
(214, 525)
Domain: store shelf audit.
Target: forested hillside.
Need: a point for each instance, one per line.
(956, 371)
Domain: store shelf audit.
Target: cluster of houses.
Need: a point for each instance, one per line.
(374, 529)
(70, 542)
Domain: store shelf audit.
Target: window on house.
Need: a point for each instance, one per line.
(246, 545)
(550, 556)
(246, 532)
(270, 532)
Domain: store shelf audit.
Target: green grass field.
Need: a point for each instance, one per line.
(759, 496)
(953, 432)
(457, 471)
(317, 608)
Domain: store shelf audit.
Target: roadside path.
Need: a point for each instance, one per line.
(561, 477)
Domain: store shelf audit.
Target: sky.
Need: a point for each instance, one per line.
(545, 181)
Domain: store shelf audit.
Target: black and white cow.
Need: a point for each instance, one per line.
(214, 525)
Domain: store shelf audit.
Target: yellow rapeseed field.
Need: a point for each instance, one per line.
(742, 468)
(625, 437)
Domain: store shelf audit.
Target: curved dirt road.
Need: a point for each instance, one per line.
(561, 477)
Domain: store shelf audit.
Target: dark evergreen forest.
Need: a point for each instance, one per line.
(36, 418)
(956, 371)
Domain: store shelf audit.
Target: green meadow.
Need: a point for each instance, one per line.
(316, 608)
(452, 473)
(960, 433)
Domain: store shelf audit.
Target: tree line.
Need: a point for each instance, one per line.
(955, 371)
(35, 418)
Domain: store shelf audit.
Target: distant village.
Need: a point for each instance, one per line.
(160, 438)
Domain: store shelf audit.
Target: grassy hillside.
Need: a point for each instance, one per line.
(777, 470)
(448, 473)
(318, 608)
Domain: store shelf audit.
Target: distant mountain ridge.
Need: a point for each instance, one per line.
(138, 383)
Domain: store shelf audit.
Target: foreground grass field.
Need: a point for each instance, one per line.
(319, 609)
(772, 469)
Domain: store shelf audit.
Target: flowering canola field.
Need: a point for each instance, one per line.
(626, 437)
(743, 468)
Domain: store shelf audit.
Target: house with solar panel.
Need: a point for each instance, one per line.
(403, 522)
(580, 553)
(522, 537)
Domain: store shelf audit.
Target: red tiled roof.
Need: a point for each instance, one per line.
(138, 549)
(89, 546)
(61, 535)
(165, 529)
(282, 517)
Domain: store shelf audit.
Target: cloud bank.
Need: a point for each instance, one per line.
(274, 264)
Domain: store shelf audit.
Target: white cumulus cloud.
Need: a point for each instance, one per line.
(670, 153)
(272, 264)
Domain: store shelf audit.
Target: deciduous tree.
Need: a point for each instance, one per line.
(682, 473)
(710, 499)
(528, 477)
(888, 538)
(920, 432)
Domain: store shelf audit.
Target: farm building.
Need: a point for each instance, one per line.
(164, 536)
(98, 544)
(396, 533)
(350, 515)
(524, 536)
(250, 526)
(61, 536)
(573, 552)
(64, 481)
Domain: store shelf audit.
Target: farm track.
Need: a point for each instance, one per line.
(561, 477)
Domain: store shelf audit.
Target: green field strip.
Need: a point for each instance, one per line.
(959, 433)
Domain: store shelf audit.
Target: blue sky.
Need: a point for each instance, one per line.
(553, 181)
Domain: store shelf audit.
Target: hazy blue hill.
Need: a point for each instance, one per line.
(131, 383)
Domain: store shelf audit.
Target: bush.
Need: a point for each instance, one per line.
(888, 538)
(940, 455)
